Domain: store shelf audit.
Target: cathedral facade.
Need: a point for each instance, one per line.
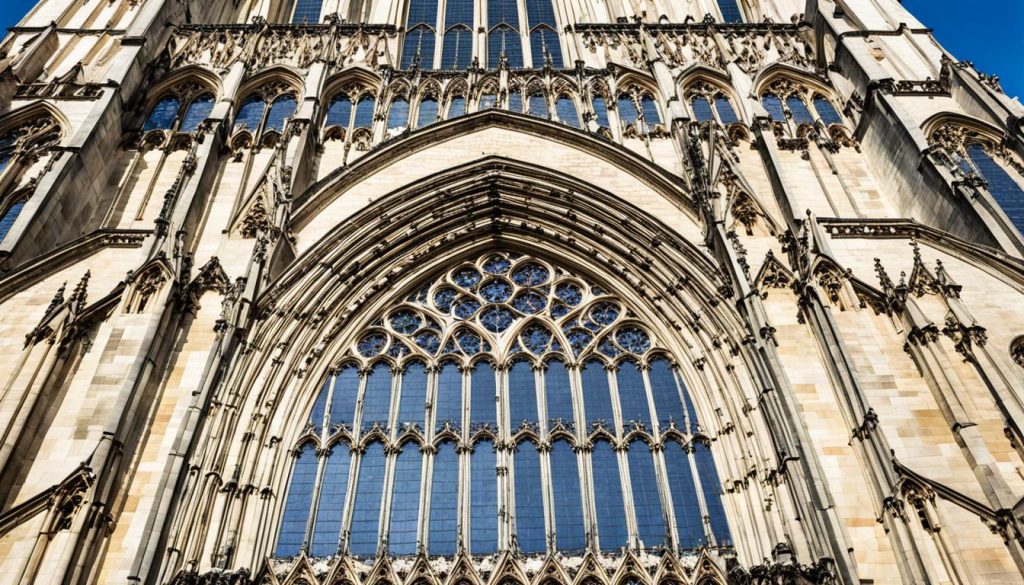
(507, 292)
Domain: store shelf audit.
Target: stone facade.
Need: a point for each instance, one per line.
(815, 211)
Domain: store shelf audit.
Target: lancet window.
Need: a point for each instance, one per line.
(638, 113)
(19, 148)
(183, 109)
(505, 362)
(421, 33)
(350, 115)
(786, 101)
(265, 112)
(709, 103)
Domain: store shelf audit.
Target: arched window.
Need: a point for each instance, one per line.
(726, 113)
(297, 505)
(482, 395)
(566, 111)
(650, 523)
(710, 103)
(797, 107)
(306, 12)
(448, 406)
(503, 33)
(558, 394)
(377, 397)
(405, 501)
(712, 492)
(628, 114)
(537, 105)
(421, 32)
(543, 38)
(366, 509)
(197, 113)
(730, 11)
(346, 392)
(529, 489)
(600, 111)
(428, 112)
(456, 106)
(702, 109)
(444, 501)
(689, 520)
(332, 502)
(339, 113)
(163, 115)
(609, 504)
(632, 395)
(412, 401)
(457, 50)
(281, 110)
(667, 401)
(1006, 191)
(398, 114)
(773, 105)
(250, 115)
(597, 399)
(826, 112)
(364, 112)
(565, 492)
(650, 110)
(515, 101)
(483, 499)
(522, 396)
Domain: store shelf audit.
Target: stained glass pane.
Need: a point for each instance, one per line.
(712, 492)
(773, 105)
(444, 497)
(649, 519)
(316, 416)
(651, 115)
(799, 110)
(251, 114)
(730, 11)
(558, 393)
(632, 395)
(482, 405)
(1004, 189)
(306, 12)
(457, 52)
(428, 113)
(565, 485)
(197, 113)
(537, 106)
(398, 116)
(366, 509)
(726, 113)
(502, 12)
(422, 12)
(297, 506)
(566, 110)
(666, 394)
(597, 399)
(544, 42)
(419, 41)
(164, 113)
(540, 12)
(458, 12)
(340, 111)
(521, 395)
(689, 521)
(483, 499)
(377, 396)
(448, 407)
(627, 111)
(600, 111)
(456, 107)
(515, 102)
(346, 392)
(414, 393)
(702, 110)
(332, 502)
(504, 41)
(281, 110)
(364, 112)
(530, 532)
(826, 112)
(405, 501)
(608, 500)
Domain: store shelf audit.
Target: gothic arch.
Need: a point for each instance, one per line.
(275, 74)
(783, 71)
(197, 74)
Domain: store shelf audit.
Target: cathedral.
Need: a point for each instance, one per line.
(507, 292)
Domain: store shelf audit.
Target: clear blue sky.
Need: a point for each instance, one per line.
(987, 32)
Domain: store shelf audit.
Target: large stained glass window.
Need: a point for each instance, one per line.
(507, 404)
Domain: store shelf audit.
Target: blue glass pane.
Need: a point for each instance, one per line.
(377, 396)
(522, 395)
(1004, 189)
(444, 499)
(5, 159)
(515, 102)
(296, 507)
(504, 40)
(650, 521)
(608, 500)
(405, 501)
(632, 395)
(457, 52)
(597, 398)
(483, 499)
(566, 110)
(689, 521)
(558, 393)
(666, 394)
(456, 107)
(282, 109)
(418, 41)
(364, 112)
(544, 42)
(826, 112)
(448, 407)
(712, 492)
(530, 532)
(366, 509)
(251, 114)
(540, 12)
(702, 110)
(428, 113)
(565, 485)
(197, 113)
(398, 117)
(414, 395)
(422, 12)
(306, 12)
(482, 389)
(316, 416)
(651, 115)
(502, 12)
(164, 113)
(537, 105)
(730, 11)
(331, 503)
(458, 12)
(9, 217)
(799, 110)
(627, 111)
(600, 112)
(340, 111)
(691, 412)
(346, 392)
(488, 101)
(726, 113)
(773, 105)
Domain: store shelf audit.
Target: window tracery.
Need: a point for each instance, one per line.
(796, 110)
(710, 103)
(183, 109)
(350, 115)
(264, 113)
(504, 362)
(20, 147)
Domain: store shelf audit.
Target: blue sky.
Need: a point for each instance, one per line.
(987, 32)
